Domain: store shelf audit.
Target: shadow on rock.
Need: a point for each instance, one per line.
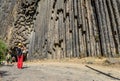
(3, 73)
(9, 65)
(25, 67)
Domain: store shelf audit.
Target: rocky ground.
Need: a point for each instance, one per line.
(59, 71)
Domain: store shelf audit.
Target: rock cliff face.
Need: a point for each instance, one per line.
(56, 29)
(7, 16)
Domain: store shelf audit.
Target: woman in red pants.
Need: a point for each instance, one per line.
(19, 56)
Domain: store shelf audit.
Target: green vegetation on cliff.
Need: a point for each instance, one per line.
(3, 49)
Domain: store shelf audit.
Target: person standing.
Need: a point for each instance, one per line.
(8, 58)
(19, 56)
(25, 52)
(13, 55)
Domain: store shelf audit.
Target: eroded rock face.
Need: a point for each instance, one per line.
(7, 18)
(24, 24)
(56, 29)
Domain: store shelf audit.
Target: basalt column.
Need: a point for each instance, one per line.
(77, 28)
(56, 29)
(23, 29)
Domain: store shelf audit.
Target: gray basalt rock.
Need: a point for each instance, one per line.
(56, 29)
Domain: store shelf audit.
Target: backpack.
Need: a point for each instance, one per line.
(19, 51)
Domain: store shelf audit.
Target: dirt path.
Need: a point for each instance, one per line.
(58, 72)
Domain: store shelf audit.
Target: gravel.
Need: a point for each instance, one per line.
(56, 72)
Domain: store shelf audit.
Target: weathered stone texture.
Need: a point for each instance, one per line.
(56, 29)
(7, 14)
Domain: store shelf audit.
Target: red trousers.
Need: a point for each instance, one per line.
(20, 62)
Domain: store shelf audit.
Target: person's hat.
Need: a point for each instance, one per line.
(19, 44)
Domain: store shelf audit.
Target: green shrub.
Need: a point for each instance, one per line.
(3, 50)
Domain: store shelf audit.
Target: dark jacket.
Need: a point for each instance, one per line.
(19, 51)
